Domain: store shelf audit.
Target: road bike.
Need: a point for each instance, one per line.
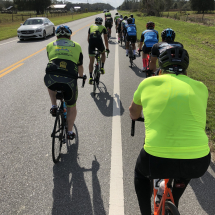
(166, 205)
(108, 33)
(59, 133)
(97, 70)
(148, 72)
(131, 53)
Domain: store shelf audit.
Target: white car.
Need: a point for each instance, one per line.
(37, 27)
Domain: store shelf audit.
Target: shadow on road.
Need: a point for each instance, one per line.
(204, 189)
(70, 193)
(104, 101)
(138, 71)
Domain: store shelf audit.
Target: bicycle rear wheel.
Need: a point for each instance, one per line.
(94, 82)
(170, 209)
(57, 138)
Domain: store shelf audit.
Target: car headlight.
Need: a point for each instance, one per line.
(18, 31)
(39, 30)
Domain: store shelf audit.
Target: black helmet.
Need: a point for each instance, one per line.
(98, 20)
(168, 34)
(125, 17)
(131, 15)
(129, 20)
(174, 60)
(116, 13)
(63, 30)
(150, 25)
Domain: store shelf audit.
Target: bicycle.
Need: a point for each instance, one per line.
(59, 133)
(131, 53)
(97, 70)
(166, 204)
(148, 72)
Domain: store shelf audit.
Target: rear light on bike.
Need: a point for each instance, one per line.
(180, 185)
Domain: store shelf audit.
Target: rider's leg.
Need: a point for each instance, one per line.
(71, 115)
(92, 58)
(127, 47)
(52, 95)
(134, 48)
(144, 59)
(103, 59)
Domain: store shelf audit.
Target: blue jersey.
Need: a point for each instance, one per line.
(131, 29)
(133, 20)
(149, 37)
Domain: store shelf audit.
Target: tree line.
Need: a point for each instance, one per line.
(154, 7)
(41, 5)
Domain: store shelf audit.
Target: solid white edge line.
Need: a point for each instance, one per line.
(116, 201)
(8, 42)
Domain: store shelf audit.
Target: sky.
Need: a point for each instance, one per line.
(114, 3)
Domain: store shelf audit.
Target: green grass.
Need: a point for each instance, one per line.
(199, 41)
(9, 30)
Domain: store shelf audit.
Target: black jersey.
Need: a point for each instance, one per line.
(162, 46)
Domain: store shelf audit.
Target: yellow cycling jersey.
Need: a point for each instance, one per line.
(174, 109)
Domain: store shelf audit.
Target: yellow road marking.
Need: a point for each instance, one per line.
(11, 70)
(29, 57)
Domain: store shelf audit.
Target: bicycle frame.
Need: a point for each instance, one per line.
(166, 196)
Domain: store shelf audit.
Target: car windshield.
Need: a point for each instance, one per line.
(33, 22)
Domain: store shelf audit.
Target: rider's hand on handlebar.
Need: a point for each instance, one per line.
(108, 51)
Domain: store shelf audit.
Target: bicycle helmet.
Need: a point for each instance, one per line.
(98, 20)
(150, 25)
(168, 34)
(131, 16)
(63, 30)
(174, 60)
(125, 17)
(116, 13)
(121, 16)
(129, 20)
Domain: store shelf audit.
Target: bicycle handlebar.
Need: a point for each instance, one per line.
(141, 119)
(84, 79)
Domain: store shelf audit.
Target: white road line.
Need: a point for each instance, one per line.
(8, 42)
(116, 202)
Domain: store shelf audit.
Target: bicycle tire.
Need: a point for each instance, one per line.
(170, 209)
(121, 40)
(94, 84)
(131, 61)
(57, 138)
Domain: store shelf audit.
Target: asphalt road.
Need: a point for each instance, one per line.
(80, 183)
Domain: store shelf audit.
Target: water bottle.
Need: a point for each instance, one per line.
(160, 192)
(64, 110)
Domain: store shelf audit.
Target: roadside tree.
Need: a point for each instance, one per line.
(202, 5)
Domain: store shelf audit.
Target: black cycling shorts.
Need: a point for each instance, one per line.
(95, 43)
(119, 29)
(67, 85)
(133, 39)
(146, 49)
(108, 25)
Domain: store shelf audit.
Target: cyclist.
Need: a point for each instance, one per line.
(131, 35)
(119, 21)
(133, 19)
(123, 24)
(168, 37)
(149, 37)
(65, 64)
(95, 41)
(115, 20)
(107, 14)
(176, 145)
(109, 22)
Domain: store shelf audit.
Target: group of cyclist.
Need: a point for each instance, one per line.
(174, 105)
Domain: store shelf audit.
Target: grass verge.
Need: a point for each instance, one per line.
(9, 30)
(199, 41)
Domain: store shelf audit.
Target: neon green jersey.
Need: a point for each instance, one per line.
(116, 17)
(107, 14)
(174, 109)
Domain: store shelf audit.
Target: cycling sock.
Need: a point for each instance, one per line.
(102, 65)
(54, 106)
(126, 51)
(144, 62)
(91, 75)
(134, 51)
(70, 132)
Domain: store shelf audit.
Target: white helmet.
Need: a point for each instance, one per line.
(98, 20)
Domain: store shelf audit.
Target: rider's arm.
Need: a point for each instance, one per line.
(135, 110)
(80, 65)
(88, 35)
(141, 41)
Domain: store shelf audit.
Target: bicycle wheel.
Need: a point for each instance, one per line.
(170, 209)
(94, 83)
(121, 39)
(57, 138)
